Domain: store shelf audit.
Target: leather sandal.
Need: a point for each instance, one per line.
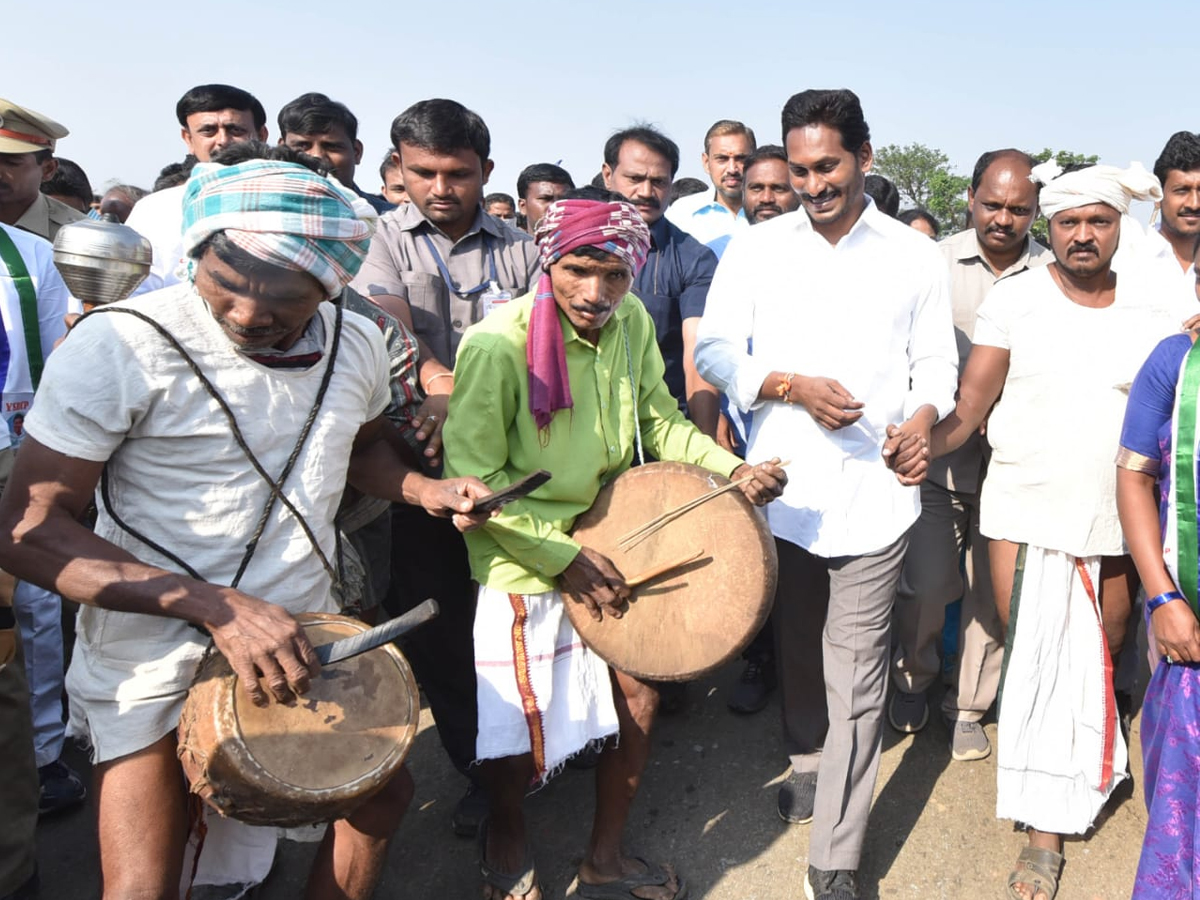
(520, 884)
(1037, 868)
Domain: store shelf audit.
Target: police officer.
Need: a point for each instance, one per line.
(27, 141)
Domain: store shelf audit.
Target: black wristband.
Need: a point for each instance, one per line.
(7, 620)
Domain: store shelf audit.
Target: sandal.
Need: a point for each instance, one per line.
(1037, 868)
(655, 875)
(519, 885)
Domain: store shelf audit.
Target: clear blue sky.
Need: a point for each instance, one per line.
(553, 80)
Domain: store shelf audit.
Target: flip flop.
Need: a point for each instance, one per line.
(519, 885)
(1038, 869)
(622, 889)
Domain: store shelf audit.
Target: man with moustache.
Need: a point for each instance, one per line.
(824, 388)
(1003, 204)
(211, 117)
(708, 216)
(27, 143)
(639, 164)
(439, 264)
(561, 378)
(1070, 335)
(767, 190)
(1178, 171)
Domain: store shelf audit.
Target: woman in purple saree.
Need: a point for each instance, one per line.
(1156, 496)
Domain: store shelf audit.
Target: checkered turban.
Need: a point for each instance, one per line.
(616, 228)
(282, 213)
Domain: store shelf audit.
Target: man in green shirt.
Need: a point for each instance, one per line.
(569, 379)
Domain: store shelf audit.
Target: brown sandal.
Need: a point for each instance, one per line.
(1039, 869)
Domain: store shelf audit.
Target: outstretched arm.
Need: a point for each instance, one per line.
(41, 541)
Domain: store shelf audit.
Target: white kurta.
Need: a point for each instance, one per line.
(116, 391)
(1055, 431)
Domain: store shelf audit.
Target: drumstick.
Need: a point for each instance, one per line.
(336, 651)
(635, 537)
(651, 574)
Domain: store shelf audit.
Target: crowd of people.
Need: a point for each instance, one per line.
(982, 417)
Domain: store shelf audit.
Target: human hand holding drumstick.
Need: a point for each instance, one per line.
(593, 580)
(761, 483)
(260, 637)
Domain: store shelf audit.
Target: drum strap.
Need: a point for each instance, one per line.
(276, 485)
(633, 393)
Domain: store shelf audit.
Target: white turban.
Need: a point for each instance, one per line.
(1095, 184)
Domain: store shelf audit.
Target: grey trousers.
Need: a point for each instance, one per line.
(836, 611)
(931, 579)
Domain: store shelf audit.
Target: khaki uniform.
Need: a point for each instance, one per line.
(46, 215)
(23, 130)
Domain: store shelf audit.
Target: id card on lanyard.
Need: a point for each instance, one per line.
(493, 299)
(489, 284)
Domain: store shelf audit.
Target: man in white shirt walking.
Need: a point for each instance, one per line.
(849, 314)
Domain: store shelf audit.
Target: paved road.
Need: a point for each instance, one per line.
(708, 804)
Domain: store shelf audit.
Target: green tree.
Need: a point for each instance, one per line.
(1064, 158)
(923, 177)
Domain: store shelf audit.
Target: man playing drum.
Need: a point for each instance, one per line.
(570, 379)
(187, 406)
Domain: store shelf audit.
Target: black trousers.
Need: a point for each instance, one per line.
(429, 559)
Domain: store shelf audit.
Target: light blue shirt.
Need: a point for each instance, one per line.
(701, 216)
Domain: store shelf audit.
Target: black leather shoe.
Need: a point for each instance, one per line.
(60, 787)
(470, 811)
(755, 687)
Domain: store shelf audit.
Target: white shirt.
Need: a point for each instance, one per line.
(54, 301)
(116, 392)
(704, 218)
(158, 217)
(1164, 254)
(872, 312)
(1054, 432)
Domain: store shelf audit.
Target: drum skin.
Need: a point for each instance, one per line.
(312, 759)
(693, 619)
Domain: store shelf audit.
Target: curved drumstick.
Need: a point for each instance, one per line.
(336, 651)
(651, 574)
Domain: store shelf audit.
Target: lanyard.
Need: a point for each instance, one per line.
(29, 310)
(445, 272)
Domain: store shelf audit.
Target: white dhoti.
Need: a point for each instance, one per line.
(540, 690)
(1059, 750)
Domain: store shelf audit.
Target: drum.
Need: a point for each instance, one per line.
(694, 618)
(312, 759)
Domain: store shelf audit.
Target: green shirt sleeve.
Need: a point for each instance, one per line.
(482, 408)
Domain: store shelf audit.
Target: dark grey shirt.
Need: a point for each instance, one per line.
(402, 263)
